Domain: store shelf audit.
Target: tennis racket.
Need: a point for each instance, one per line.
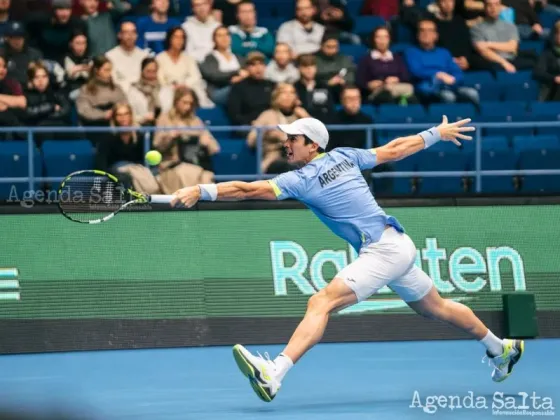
(93, 196)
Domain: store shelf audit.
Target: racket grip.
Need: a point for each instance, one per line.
(161, 199)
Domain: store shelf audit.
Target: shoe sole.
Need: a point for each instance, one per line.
(520, 346)
(249, 371)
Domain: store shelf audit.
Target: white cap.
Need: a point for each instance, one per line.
(310, 127)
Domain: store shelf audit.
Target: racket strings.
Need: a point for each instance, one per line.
(91, 197)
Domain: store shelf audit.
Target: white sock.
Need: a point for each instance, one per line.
(283, 365)
(493, 344)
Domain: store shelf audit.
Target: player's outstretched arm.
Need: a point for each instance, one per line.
(405, 146)
(224, 191)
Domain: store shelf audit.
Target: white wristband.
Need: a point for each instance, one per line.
(208, 192)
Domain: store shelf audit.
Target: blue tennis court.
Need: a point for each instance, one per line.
(334, 381)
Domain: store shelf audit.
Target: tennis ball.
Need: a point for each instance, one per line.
(153, 157)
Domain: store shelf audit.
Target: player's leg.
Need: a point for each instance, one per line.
(265, 375)
(417, 289)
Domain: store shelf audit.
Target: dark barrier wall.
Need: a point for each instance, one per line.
(184, 278)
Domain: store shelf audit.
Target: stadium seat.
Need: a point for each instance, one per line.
(364, 25)
(14, 163)
(499, 109)
(235, 158)
(271, 23)
(63, 157)
(526, 91)
(396, 114)
(404, 185)
(402, 33)
(454, 112)
(356, 52)
(495, 143)
(485, 84)
(548, 19)
(540, 159)
(539, 142)
(215, 117)
(536, 46)
(437, 161)
(505, 112)
(505, 78)
(497, 160)
(399, 48)
(543, 112)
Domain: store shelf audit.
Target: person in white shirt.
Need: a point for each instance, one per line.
(281, 69)
(177, 68)
(302, 34)
(200, 29)
(126, 57)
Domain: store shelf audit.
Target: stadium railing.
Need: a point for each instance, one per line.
(147, 132)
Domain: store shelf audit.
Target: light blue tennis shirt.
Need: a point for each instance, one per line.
(332, 187)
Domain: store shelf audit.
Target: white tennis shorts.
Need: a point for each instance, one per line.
(388, 262)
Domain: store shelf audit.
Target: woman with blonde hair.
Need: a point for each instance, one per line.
(285, 109)
(187, 149)
(122, 153)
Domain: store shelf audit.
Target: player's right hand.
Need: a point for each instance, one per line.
(187, 196)
(453, 131)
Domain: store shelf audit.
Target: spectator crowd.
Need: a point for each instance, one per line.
(143, 63)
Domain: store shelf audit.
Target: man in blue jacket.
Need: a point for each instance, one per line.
(436, 75)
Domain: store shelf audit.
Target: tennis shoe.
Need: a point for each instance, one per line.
(259, 370)
(503, 364)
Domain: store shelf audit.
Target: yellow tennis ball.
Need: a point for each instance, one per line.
(153, 157)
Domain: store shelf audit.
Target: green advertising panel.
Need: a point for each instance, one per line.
(170, 265)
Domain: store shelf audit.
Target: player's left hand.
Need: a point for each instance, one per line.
(453, 131)
(187, 196)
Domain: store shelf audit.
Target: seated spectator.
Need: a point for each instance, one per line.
(251, 96)
(126, 57)
(316, 98)
(122, 153)
(200, 29)
(547, 70)
(5, 18)
(51, 34)
(302, 34)
(45, 106)
(284, 109)
(222, 69)
(334, 69)
(281, 69)
(497, 41)
(225, 11)
(527, 19)
(12, 100)
(177, 68)
(144, 96)
(153, 29)
(382, 74)
(433, 70)
(334, 16)
(350, 114)
(99, 95)
(77, 64)
(246, 36)
(17, 53)
(455, 36)
(100, 26)
(186, 153)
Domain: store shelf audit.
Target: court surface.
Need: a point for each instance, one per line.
(334, 381)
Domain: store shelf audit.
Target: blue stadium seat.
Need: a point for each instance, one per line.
(402, 33)
(505, 78)
(540, 159)
(548, 19)
(215, 117)
(505, 112)
(235, 158)
(526, 91)
(14, 163)
(437, 161)
(478, 77)
(502, 109)
(354, 7)
(401, 185)
(63, 157)
(536, 46)
(399, 48)
(271, 23)
(498, 160)
(539, 142)
(356, 52)
(396, 114)
(495, 143)
(368, 110)
(364, 25)
(487, 87)
(454, 111)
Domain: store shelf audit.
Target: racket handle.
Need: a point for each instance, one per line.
(161, 199)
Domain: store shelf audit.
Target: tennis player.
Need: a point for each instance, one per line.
(332, 186)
